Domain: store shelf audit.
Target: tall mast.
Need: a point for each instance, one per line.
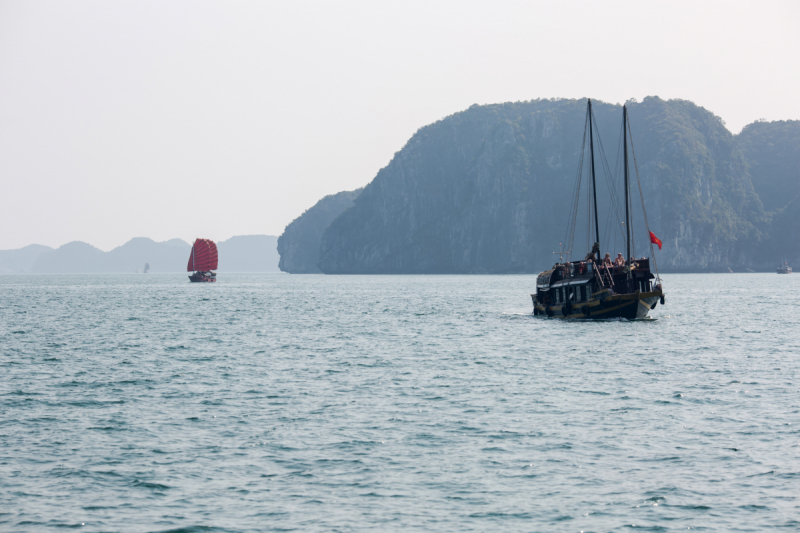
(627, 186)
(594, 184)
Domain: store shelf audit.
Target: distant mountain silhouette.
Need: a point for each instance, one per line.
(250, 253)
(76, 256)
(80, 257)
(167, 256)
(22, 259)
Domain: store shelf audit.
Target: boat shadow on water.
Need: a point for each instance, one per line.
(593, 320)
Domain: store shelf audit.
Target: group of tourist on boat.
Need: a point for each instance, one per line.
(619, 262)
(596, 288)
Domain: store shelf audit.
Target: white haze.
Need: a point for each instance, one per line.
(212, 119)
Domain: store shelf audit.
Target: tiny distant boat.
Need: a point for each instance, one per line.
(595, 287)
(203, 261)
(784, 268)
(146, 268)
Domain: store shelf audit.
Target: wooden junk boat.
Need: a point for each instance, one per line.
(589, 289)
(203, 261)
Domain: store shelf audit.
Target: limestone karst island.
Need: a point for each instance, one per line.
(488, 190)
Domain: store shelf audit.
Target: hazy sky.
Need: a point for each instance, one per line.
(211, 119)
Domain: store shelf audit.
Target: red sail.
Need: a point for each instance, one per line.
(203, 257)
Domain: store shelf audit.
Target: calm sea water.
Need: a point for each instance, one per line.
(436, 403)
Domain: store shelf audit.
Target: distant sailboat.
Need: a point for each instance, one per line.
(202, 261)
(146, 268)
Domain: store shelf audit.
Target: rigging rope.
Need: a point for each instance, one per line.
(569, 238)
(619, 229)
(589, 216)
(644, 211)
(610, 184)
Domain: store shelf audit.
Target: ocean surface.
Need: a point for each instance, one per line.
(356, 403)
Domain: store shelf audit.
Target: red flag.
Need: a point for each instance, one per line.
(655, 240)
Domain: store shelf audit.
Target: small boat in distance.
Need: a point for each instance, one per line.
(784, 268)
(202, 261)
(595, 287)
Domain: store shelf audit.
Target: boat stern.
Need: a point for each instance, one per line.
(633, 306)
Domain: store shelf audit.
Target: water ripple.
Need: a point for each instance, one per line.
(286, 403)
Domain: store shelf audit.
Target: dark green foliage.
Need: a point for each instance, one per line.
(490, 189)
(703, 200)
(772, 150)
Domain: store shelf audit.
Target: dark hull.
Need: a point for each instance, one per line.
(628, 306)
(201, 278)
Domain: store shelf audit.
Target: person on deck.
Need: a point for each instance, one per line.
(619, 261)
(595, 253)
(607, 261)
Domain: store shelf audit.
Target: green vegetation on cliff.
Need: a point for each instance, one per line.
(489, 189)
(772, 151)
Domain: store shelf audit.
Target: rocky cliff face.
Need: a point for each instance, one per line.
(772, 151)
(696, 180)
(490, 190)
(298, 246)
(783, 240)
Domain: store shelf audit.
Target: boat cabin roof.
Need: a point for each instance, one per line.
(576, 280)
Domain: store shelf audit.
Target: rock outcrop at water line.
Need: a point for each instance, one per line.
(782, 242)
(298, 246)
(489, 190)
